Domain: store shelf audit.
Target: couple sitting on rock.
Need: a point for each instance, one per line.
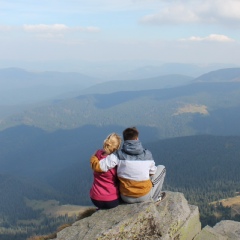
(127, 175)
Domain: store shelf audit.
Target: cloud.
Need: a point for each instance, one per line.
(57, 28)
(210, 38)
(172, 15)
(56, 31)
(5, 28)
(198, 11)
(229, 10)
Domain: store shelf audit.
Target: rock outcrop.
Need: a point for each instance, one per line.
(173, 218)
(224, 230)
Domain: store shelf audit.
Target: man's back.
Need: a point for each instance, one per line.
(135, 164)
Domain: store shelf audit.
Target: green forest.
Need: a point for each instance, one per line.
(205, 168)
(190, 125)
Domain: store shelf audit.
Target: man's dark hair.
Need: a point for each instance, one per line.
(130, 134)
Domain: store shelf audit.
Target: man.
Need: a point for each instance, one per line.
(140, 180)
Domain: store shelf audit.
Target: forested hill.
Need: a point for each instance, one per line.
(173, 112)
(221, 75)
(205, 168)
(201, 159)
(192, 162)
(165, 81)
(45, 151)
(205, 106)
(19, 86)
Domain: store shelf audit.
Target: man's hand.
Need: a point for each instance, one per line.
(94, 162)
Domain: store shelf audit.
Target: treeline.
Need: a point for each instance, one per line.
(44, 225)
(14, 190)
(204, 168)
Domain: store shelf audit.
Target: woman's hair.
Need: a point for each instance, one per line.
(111, 143)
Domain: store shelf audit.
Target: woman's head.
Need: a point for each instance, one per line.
(112, 143)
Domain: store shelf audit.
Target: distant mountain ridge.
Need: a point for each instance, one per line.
(165, 81)
(154, 70)
(172, 111)
(45, 76)
(221, 75)
(19, 86)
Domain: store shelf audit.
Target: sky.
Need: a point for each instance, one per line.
(62, 33)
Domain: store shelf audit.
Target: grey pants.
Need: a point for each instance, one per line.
(157, 181)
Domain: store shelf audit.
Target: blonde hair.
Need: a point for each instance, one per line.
(111, 143)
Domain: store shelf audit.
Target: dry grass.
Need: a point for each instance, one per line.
(87, 213)
(233, 202)
(45, 237)
(63, 226)
(53, 208)
(83, 214)
(192, 108)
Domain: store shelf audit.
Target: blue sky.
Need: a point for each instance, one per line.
(196, 31)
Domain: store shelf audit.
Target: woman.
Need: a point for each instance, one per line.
(104, 192)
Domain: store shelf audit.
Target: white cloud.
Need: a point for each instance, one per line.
(76, 6)
(229, 9)
(57, 28)
(210, 38)
(198, 11)
(5, 28)
(45, 28)
(172, 15)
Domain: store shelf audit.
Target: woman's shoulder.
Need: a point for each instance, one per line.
(100, 154)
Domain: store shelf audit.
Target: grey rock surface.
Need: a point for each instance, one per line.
(208, 233)
(230, 229)
(173, 218)
(224, 230)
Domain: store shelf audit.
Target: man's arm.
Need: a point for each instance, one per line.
(94, 162)
(153, 167)
(105, 164)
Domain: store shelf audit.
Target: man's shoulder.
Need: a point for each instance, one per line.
(117, 153)
(148, 154)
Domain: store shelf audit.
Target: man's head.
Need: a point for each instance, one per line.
(130, 134)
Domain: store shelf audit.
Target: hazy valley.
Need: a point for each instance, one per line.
(191, 125)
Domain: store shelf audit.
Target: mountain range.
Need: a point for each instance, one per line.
(191, 125)
(19, 86)
(203, 106)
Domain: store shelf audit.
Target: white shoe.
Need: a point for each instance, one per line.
(161, 197)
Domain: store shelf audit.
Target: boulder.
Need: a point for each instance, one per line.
(230, 229)
(224, 230)
(173, 218)
(208, 233)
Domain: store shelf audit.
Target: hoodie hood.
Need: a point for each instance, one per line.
(132, 147)
(133, 150)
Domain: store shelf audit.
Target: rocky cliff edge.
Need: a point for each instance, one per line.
(171, 219)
